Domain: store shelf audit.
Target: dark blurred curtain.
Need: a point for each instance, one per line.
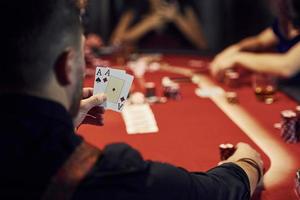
(102, 16)
(224, 21)
(228, 21)
(98, 18)
(245, 18)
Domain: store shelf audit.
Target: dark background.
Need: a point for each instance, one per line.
(224, 21)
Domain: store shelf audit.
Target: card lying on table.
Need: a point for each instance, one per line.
(139, 119)
(115, 84)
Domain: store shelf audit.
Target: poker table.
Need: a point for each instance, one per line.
(191, 129)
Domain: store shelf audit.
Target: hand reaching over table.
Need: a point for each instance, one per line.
(250, 161)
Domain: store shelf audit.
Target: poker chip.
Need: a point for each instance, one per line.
(265, 93)
(270, 89)
(289, 126)
(172, 92)
(269, 100)
(153, 100)
(231, 97)
(226, 150)
(297, 183)
(288, 114)
(297, 110)
(231, 79)
(166, 81)
(163, 100)
(137, 98)
(150, 89)
(277, 125)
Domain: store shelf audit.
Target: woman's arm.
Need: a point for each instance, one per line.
(147, 24)
(124, 33)
(121, 29)
(266, 39)
(285, 65)
(189, 25)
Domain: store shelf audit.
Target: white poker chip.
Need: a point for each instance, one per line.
(137, 98)
(277, 125)
(166, 81)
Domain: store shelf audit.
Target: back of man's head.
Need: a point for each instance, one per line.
(35, 33)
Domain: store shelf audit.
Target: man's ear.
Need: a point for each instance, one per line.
(63, 67)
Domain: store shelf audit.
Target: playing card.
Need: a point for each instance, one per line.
(139, 119)
(117, 91)
(102, 78)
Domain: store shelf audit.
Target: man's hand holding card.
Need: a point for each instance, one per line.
(89, 111)
(115, 84)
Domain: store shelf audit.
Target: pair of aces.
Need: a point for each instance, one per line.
(115, 84)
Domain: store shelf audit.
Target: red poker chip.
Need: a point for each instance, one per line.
(289, 126)
(226, 150)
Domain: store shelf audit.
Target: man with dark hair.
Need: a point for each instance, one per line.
(42, 158)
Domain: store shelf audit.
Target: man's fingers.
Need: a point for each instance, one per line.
(87, 92)
(93, 101)
(221, 163)
(242, 144)
(98, 110)
(93, 121)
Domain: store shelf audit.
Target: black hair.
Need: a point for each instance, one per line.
(34, 34)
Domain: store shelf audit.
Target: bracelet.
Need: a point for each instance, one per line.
(254, 165)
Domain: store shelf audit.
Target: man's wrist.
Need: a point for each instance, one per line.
(254, 165)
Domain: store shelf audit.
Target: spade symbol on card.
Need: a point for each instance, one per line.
(98, 80)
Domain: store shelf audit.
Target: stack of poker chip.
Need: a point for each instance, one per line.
(231, 97)
(171, 90)
(297, 183)
(231, 78)
(150, 89)
(226, 150)
(289, 123)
